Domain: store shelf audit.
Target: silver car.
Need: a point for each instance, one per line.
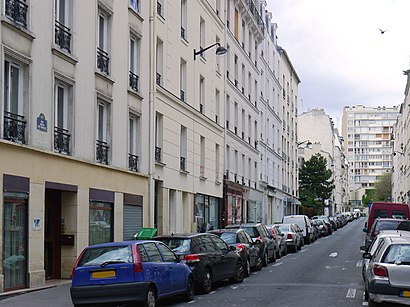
(292, 235)
(387, 275)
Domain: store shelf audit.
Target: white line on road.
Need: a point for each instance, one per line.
(365, 303)
(212, 292)
(191, 302)
(351, 293)
(277, 264)
(359, 264)
(333, 255)
(304, 250)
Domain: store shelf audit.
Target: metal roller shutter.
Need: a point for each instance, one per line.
(132, 221)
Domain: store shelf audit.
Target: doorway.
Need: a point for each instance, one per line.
(52, 234)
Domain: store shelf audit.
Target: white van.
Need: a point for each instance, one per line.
(303, 222)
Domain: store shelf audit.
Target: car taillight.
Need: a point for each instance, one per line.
(273, 234)
(76, 263)
(240, 248)
(192, 258)
(289, 236)
(380, 270)
(137, 259)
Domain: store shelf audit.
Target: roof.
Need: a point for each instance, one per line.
(129, 242)
(180, 235)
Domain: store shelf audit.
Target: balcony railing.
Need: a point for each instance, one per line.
(17, 11)
(182, 93)
(62, 36)
(133, 163)
(158, 79)
(134, 81)
(159, 8)
(14, 128)
(182, 163)
(62, 140)
(227, 124)
(103, 61)
(183, 33)
(102, 152)
(158, 154)
(201, 171)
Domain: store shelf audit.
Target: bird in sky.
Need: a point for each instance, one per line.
(382, 31)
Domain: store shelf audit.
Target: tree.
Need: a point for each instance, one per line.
(382, 188)
(315, 183)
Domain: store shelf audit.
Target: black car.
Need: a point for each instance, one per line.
(261, 237)
(248, 250)
(208, 256)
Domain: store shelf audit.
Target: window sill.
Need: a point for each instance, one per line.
(203, 178)
(15, 26)
(104, 76)
(184, 172)
(134, 93)
(63, 54)
(217, 182)
(136, 13)
(162, 164)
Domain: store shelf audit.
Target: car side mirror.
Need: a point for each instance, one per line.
(365, 230)
(363, 248)
(367, 256)
(282, 234)
(232, 248)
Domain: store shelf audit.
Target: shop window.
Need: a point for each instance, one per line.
(101, 223)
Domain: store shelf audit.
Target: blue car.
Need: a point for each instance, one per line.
(142, 271)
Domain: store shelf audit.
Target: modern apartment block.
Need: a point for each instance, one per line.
(119, 114)
(367, 132)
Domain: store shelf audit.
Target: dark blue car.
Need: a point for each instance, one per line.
(141, 271)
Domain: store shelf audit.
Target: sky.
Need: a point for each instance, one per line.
(339, 53)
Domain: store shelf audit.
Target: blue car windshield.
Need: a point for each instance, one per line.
(100, 255)
(229, 237)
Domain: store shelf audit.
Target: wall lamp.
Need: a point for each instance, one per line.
(398, 152)
(308, 143)
(219, 51)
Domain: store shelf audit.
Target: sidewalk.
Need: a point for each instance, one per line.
(48, 284)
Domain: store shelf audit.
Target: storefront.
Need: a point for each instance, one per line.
(207, 212)
(234, 205)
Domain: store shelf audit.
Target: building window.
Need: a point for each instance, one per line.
(228, 111)
(133, 157)
(103, 59)
(236, 24)
(206, 213)
(101, 223)
(182, 79)
(183, 149)
(201, 94)
(62, 25)
(103, 129)
(62, 112)
(160, 63)
(17, 11)
(160, 8)
(218, 58)
(135, 5)
(217, 105)
(217, 162)
(158, 137)
(14, 120)
(202, 36)
(218, 7)
(134, 81)
(183, 19)
(202, 157)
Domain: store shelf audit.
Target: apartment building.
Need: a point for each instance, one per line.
(367, 132)
(244, 33)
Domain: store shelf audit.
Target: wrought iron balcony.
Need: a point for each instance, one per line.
(158, 154)
(183, 33)
(14, 128)
(62, 140)
(201, 108)
(133, 163)
(17, 11)
(182, 95)
(159, 8)
(227, 124)
(102, 152)
(134, 81)
(62, 36)
(103, 61)
(158, 79)
(182, 163)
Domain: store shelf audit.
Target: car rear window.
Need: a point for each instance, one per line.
(251, 231)
(398, 254)
(178, 245)
(284, 228)
(393, 225)
(398, 214)
(229, 237)
(100, 255)
(382, 213)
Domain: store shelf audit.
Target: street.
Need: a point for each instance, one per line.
(324, 273)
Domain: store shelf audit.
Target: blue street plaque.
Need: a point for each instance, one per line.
(42, 123)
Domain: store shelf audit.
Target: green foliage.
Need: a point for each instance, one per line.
(382, 188)
(315, 183)
(368, 197)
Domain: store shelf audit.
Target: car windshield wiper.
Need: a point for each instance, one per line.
(105, 263)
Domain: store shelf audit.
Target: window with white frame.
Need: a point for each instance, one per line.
(182, 79)
(217, 161)
(103, 131)
(158, 137)
(218, 59)
(201, 94)
(202, 36)
(62, 117)
(103, 56)
(183, 149)
(218, 7)
(62, 35)
(202, 157)
(228, 110)
(136, 5)
(228, 61)
(217, 105)
(183, 19)
(160, 8)
(134, 62)
(160, 62)
(133, 142)
(14, 121)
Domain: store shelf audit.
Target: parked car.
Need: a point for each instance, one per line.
(326, 221)
(387, 276)
(321, 227)
(304, 224)
(384, 224)
(208, 256)
(375, 243)
(293, 239)
(387, 210)
(279, 237)
(245, 247)
(129, 271)
(260, 235)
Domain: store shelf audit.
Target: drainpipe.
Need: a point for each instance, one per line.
(151, 114)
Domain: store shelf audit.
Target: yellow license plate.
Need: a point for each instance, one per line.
(103, 274)
(405, 293)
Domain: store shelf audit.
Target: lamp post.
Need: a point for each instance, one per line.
(219, 51)
(308, 143)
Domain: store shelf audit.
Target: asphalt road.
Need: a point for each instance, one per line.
(324, 273)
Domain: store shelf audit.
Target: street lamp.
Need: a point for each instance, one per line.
(398, 152)
(219, 51)
(308, 143)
